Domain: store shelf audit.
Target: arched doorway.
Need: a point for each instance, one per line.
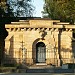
(40, 52)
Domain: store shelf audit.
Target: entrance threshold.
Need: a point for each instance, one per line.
(41, 64)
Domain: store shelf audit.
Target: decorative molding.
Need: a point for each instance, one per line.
(67, 29)
(47, 29)
(70, 29)
(34, 29)
(14, 29)
(24, 29)
(18, 29)
(42, 29)
(38, 29)
(29, 29)
(52, 29)
(42, 33)
(10, 29)
(56, 29)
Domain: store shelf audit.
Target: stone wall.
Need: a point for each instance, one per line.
(66, 46)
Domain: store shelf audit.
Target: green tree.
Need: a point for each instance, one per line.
(59, 9)
(3, 8)
(20, 8)
(5, 11)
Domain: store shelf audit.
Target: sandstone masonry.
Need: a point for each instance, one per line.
(23, 37)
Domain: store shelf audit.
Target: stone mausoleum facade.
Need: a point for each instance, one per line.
(39, 41)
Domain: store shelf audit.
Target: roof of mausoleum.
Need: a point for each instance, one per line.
(38, 23)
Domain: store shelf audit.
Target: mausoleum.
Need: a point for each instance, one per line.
(39, 41)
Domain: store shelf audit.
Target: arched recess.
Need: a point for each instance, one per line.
(40, 52)
(39, 46)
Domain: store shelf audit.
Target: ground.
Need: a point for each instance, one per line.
(38, 74)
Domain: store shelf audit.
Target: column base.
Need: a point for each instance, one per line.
(29, 61)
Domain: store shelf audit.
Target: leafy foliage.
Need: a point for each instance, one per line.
(3, 8)
(59, 9)
(21, 8)
(16, 8)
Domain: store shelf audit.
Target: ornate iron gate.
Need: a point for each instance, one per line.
(40, 52)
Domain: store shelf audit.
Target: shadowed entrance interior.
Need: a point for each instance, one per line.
(40, 52)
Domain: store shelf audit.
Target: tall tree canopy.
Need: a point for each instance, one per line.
(59, 9)
(3, 8)
(20, 8)
(16, 8)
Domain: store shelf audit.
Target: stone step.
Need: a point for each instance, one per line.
(50, 71)
(39, 71)
(40, 66)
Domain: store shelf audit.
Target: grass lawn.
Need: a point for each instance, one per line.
(7, 69)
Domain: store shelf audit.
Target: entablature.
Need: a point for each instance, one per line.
(24, 25)
(38, 29)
